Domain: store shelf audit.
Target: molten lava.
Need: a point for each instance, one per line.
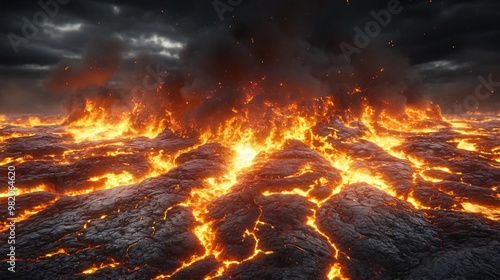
(260, 193)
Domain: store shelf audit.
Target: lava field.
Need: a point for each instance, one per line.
(370, 198)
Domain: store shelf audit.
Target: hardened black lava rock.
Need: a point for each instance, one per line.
(291, 215)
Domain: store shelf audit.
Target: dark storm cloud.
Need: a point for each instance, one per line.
(459, 31)
(98, 64)
(144, 28)
(461, 39)
(447, 42)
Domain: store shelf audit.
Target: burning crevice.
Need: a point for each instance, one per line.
(224, 204)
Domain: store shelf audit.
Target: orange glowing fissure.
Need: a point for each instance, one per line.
(247, 141)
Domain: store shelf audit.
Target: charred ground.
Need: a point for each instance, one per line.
(358, 200)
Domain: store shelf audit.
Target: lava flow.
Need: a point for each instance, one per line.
(273, 193)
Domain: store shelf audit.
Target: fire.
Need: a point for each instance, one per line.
(465, 145)
(493, 214)
(95, 268)
(253, 136)
(26, 214)
(97, 123)
(14, 135)
(161, 163)
(335, 272)
(38, 188)
(245, 156)
(114, 180)
(107, 181)
(59, 251)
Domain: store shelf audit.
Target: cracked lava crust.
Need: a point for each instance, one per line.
(315, 197)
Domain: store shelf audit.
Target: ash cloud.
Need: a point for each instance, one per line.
(89, 77)
(99, 63)
(267, 50)
(263, 57)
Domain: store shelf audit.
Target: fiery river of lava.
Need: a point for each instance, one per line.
(285, 193)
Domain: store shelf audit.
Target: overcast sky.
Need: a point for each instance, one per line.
(446, 44)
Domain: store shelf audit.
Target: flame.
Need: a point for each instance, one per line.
(59, 251)
(335, 272)
(26, 214)
(38, 188)
(491, 213)
(253, 135)
(107, 181)
(245, 156)
(3, 138)
(161, 163)
(95, 268)
(114, 180)
(465, 145)
(97, 123)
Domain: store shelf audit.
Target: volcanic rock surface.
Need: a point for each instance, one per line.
(293, 213)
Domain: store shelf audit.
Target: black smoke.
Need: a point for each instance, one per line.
(264, 55)
(271, 50)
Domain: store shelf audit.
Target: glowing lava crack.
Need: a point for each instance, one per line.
(369, 198)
